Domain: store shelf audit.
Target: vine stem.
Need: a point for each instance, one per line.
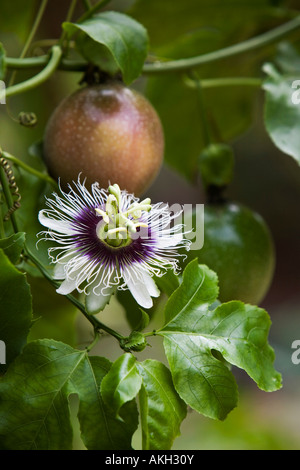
(224, 82)
(29, 169)
(68, 18)
(31, 35)
(249, 45)
(93, 10)
(202, 110)
(179, 65)
(7, 196)
(37, 79)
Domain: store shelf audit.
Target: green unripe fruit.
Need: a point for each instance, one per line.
(238, 246)
(216, 164)
(108, 133)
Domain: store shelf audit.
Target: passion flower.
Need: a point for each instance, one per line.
(108, 239)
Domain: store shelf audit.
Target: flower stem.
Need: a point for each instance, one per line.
(37, 79)
(29, 169)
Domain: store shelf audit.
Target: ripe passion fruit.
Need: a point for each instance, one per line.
(108, 133)
(238, 246)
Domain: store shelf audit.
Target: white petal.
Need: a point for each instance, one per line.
(67, 286)
(139, 290)
(54, 224)
(95, 303)
(59, 271)
(150, 284)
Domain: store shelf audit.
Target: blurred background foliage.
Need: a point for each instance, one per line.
(265, 179)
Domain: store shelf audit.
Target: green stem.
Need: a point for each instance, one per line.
(202, 110)
(224, 82)
(92, 319)
(86, 4)
(2, 231)
(249, 45)
(68, 18)
(41, 61)
(93, 10)
(8, 197)
(37, 79)
(93, 343)
(29, 169)
(31, 35)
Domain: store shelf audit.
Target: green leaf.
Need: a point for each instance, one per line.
(198, 330)
(2, 62)
(168, 282)
(113, 41)
(34, 401)
(162, 410)
(13, 246)
(100, 429)
(202, 381)
(198, 290)
(136, 317)
(122, 383)
(144, 321)
(15, 308)
(282, 111)
(240, 333)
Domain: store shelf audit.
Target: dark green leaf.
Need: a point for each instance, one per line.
(34, 407)
(190, 302)
(34, 401)
(113, 41)
(15, 309)
(168, 282)
(2, 62)
(13, 246)
(100, 429)
(122, 383)
(137, 319)
(144, 321)
(162, 410)
(282, 111)
(202, 381)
